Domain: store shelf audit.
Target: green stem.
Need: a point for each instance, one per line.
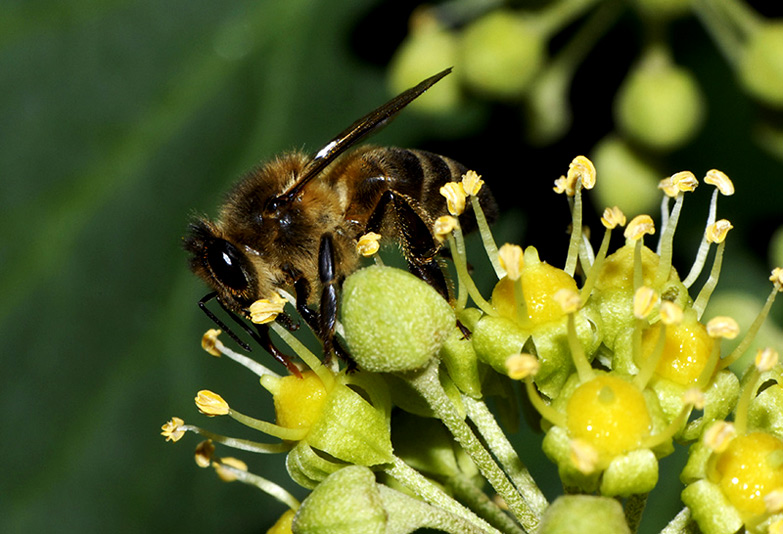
(267, 486)
(681, 524)
(502, 449)
(429, 492)
(466, 491)
(634, 508)
(427, 383)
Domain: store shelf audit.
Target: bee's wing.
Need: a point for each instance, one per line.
(357, 131)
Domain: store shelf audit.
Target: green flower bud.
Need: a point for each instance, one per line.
(346, 502)
(393, 320)
(575, 514)
(501, 54)
(626, 179)
(425, 51)
(761, 64)
(659, 104)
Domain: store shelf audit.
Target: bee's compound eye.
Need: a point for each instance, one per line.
(225, 262)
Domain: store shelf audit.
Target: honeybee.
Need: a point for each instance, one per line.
(294, 223)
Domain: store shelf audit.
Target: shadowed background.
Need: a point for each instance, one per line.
(121, 119)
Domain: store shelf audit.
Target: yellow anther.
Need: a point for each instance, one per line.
(722, 326)
(265, 311)
(613, 217)
(512, 259)
(766, 359)
(455, 197)
(204, 452)
(721, 181)
(644, 301)
(561, 186)
(568, 299)
(209, 342)
(777, 278)
(671, 313)
(471, 183)
(716, 232)
(718, 436)
(210, 403)
(443, 226)
(668, 187)
(584, 456)
(694, 397)
(520, 366)
(638, 227)
(173, 430)
(368, 244)
(581, 167)
(227, 475)
(684, 181)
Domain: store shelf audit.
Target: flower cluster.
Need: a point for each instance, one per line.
(613, 350)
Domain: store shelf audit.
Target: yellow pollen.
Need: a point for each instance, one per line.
(638, 227)
(694, 397)
(644, 301)
(204, 452)
(777, 278)
(716, 232)
(443, 227)
(471, 183)
(671, 313)
(684, 181)
(520, 366)
(718, 436)
(722, 326)
(512, 260)
(581, 167)
(584, 456)
(173, 430)
(209, 342)
(773, 501)
(368, 244)
(668, 187)
(613, 217)
(721, 181)
(455, 197)
(561, 186)
(568, 299)
(210, 403)
(766, 359)
(225, 474)
(265, 311)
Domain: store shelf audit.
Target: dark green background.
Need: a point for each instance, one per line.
(119, 118)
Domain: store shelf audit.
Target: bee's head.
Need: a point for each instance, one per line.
(222, 265)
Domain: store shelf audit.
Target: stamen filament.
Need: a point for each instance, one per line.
(457, 246)
(576, 229)
(595, 269)
(267, 486)
(286, 434)
(751, 333)
(310, 359)
(709, 286)
(546, 411)
(241, 444)
(741, 410)
(670, 430)
(704, 246)
(667, 242)
(214, 343)
(583, 367)
(650, 364)
(710, 367)
(487, 238)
